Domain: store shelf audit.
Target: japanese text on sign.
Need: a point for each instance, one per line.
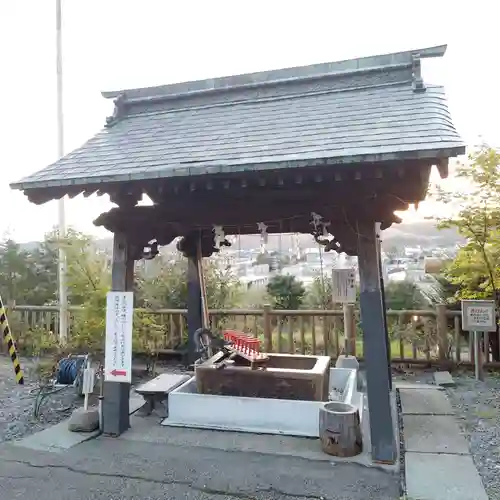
(344, 286)
(478, 315)
(118, 355)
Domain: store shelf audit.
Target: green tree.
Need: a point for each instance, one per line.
(44, 259)
(476, 273)
(403, 295)
(88, 269)
(88, 278)
(16, 273)
(30, 277)
(319, 294)
(399, 295)
(476, 268)
(162, 283)
(25, 276)
(286, 292)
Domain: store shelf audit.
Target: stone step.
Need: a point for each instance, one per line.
(444, 379)
(424, 402)
(432, 476)
(433, 434)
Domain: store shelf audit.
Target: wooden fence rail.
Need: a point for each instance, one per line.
(417, 336)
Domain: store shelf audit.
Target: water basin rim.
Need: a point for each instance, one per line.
(338, 407)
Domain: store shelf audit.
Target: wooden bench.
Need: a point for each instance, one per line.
(157, 390)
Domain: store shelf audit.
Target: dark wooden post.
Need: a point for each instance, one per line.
(374, 346)
(189, 246)
(194, 318)
(384, 306)
(115, 404)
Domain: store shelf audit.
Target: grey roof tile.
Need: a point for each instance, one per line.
(375, 115)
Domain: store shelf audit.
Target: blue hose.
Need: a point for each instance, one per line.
(68, 370)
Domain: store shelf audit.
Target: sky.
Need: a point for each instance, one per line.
(117, 44)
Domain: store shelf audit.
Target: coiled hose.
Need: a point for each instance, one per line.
(68, 373)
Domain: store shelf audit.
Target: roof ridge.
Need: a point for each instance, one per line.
(393, 60)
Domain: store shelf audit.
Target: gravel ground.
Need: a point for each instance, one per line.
(17, 404)
(17, 401)
(477, 407)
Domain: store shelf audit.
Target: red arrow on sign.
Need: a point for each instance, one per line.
(118, 373)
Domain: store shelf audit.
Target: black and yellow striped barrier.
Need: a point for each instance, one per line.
(9, 340)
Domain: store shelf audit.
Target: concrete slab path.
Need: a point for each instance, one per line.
(458, 477)
(434, 434)
(438, 465)
(425, 402)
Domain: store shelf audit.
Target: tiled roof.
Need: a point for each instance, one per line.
(368, 109)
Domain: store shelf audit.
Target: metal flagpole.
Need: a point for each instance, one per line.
(63, 296)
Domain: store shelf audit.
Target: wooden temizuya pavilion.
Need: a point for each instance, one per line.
(330, 149)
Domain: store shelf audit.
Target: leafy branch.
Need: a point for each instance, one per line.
(476, 216)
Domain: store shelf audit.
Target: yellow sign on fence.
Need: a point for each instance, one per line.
(9, 340)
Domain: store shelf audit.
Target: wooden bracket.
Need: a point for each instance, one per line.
(126, 198)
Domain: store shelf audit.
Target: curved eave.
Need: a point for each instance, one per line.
(57, 188)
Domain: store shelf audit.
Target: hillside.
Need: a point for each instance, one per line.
(421, 233)
(410, 234)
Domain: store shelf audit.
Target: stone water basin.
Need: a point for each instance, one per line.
(284, 376)
(187, 407)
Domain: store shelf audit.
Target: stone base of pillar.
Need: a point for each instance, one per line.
(115, 408)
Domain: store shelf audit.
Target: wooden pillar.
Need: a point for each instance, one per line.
(384, 306)
(115, 404)
(194, 314)
(375, 349)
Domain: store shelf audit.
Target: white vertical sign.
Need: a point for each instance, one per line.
(343, 286)
(118, 353)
